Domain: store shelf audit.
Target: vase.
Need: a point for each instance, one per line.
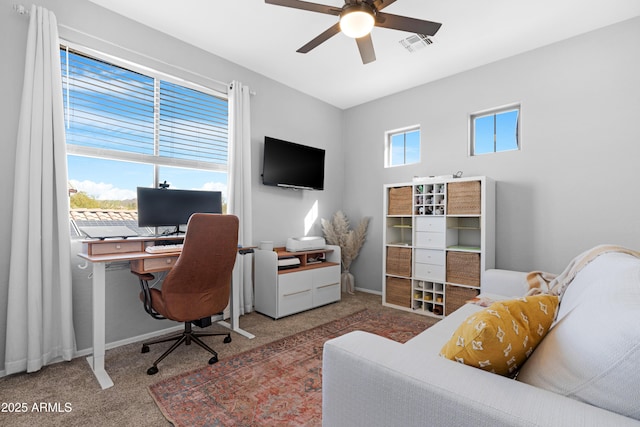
(348, 282)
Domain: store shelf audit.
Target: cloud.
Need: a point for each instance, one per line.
(102, 191)
(214, 186)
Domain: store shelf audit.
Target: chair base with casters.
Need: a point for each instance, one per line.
(186, 337)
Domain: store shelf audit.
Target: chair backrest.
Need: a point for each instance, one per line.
(199, 284)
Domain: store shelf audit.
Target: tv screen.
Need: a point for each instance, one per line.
(158, 207)
(287, 164)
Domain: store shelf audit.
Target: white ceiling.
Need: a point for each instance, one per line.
(264, 38)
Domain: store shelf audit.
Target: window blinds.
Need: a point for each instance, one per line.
(111, 108)
(193, 125)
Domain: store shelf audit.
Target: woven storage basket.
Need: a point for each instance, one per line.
(463, 268)
(398, 291)
(456, 296)
(463, 198)
(399, 261)
(400, 201)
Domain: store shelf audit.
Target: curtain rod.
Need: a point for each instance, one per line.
(174, 66)
(20, 9)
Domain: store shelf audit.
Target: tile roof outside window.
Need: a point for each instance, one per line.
(84, 214)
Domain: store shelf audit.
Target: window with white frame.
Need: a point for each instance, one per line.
(402, 147)
(128, 127)
(495, 130)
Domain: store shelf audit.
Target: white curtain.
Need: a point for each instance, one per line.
(39, 313)
(240, 183)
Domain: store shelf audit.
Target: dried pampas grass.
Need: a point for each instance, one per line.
(337, 232)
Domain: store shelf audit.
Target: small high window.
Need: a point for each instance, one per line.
(402, 147)
(495, 130)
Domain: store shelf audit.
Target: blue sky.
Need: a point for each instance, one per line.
(405, 148)
(505, 128)
(116, 180)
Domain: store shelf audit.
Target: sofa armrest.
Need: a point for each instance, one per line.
(368, 380)
(506, 283)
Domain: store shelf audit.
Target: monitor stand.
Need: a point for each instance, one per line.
(175, 232)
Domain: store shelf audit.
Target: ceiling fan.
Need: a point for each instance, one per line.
(357, 18)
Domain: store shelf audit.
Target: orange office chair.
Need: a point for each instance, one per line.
(199, 284)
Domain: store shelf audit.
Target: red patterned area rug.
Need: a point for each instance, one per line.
(277, 384)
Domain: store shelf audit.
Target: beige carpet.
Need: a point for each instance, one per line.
(128, 402)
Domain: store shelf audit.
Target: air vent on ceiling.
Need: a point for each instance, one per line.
(416, 42)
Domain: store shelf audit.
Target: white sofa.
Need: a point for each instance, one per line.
(369, 380)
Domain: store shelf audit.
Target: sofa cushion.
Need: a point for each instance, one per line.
(501, 337)
(430, 341)
(592, 353)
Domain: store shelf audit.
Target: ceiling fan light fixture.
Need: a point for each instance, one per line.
(357, 21)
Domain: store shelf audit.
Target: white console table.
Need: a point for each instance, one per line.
(313, 283)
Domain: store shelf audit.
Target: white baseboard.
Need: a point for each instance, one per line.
(131, 340)
(112, 345)
(368, 291)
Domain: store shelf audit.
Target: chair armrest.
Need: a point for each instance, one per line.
(368, 380)
(145, 294)
(507, 283)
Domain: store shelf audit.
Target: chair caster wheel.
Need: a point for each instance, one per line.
(152, 370)
(227, 339)
(145, 349)
(213, 360)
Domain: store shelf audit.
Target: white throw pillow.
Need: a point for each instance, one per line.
(592, 353)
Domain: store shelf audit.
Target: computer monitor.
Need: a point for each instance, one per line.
(160, 207)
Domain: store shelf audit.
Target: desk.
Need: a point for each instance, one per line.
(101, 252)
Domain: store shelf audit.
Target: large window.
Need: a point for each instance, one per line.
(129, 127)
(402, 147)
(495, 130)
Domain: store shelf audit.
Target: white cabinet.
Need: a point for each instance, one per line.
(438, 241)
(326, 285)
(279, 293)
(295, 293)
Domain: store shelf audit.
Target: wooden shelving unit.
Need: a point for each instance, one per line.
(446, 229)
(308, 259)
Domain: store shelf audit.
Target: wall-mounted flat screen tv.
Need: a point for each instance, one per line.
(287, 164)
(159, 207)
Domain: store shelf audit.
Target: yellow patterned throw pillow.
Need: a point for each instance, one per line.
(501, 337)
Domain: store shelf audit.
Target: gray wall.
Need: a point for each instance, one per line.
(573, 185)
(276, 110)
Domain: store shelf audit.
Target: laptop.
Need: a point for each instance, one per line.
(107, 231)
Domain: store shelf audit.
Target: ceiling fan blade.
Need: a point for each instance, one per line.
(326, 35)
(381, 4)
(403, 23)
(305, 5)
(365, 46)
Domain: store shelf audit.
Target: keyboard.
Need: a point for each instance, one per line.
(161, 249)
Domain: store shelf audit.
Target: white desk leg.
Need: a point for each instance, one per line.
(236, 284)
(96, 360)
